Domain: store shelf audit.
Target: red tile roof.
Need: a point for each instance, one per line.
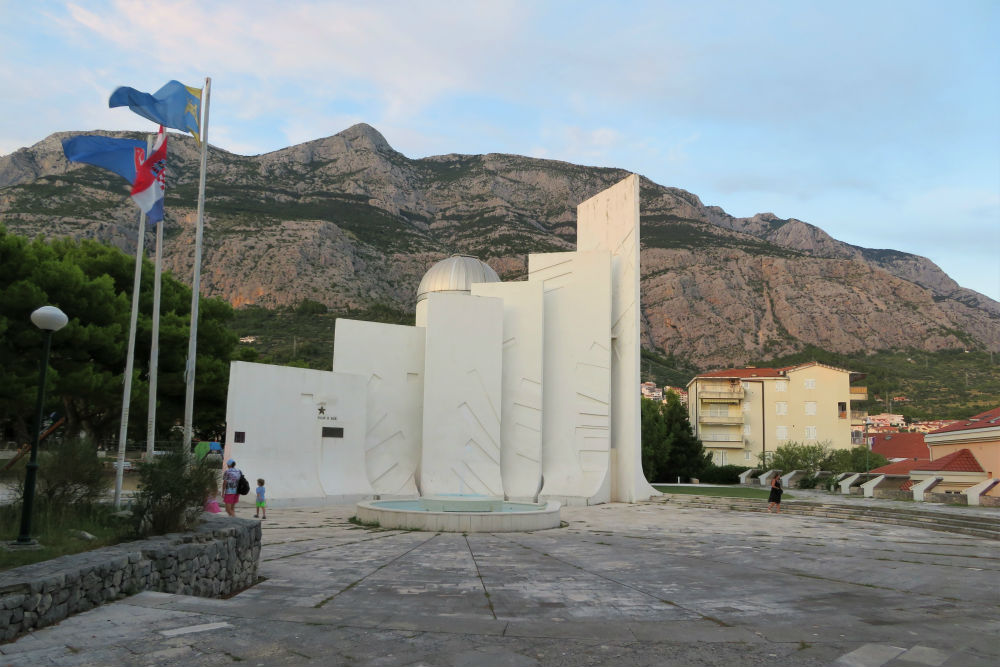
(900, 445)
(902, 467)
(741, 373)
(960, 461)
(987, 419)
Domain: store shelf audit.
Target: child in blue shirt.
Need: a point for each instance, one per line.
(261, 503)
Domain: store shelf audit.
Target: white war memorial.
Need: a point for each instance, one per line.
(520, 391)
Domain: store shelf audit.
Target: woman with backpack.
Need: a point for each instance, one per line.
(231, 487)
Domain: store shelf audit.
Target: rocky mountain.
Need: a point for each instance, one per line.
(348, 221)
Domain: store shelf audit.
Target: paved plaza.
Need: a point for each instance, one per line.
(645, 584)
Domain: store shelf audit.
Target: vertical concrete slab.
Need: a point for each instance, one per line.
(610, 221)
(925, 486)
(846, 482)
(391, 359)
(462, 394)
(281, 413)
(521, 392)
(868, 488)
(576, 439)
(974, 493)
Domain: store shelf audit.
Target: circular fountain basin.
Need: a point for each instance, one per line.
(460, 514)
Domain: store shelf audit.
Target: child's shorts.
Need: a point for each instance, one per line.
(261, 503)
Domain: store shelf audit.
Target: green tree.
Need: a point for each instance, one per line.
(795, 456)
(856, 459)
(92, 284)
(669, 447)
(655, 445)
(687, 456)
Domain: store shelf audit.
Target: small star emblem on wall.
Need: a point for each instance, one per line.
(322, 410)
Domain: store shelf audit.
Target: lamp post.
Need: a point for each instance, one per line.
(49, 319)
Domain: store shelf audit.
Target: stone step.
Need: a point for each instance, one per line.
(864, 514)
(915, 514)
(968, 525)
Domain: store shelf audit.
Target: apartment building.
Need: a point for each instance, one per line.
(651, 391)
(739, 413)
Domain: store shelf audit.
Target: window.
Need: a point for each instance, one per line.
(746, 407)
(717, 410)
(333, 432)
(842, 410)
(746, 429)
(810, 432)
(746, 456)
(781, 408)
(239, 436)
(746, 386)
(722, 458)
(780, 386)
(810, 383)
(781, 433)
(810, 407)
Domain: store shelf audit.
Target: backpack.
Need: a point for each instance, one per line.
(242, 486)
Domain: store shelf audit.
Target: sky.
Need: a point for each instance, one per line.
(878, 121)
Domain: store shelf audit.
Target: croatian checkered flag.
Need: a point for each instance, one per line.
(151, 180)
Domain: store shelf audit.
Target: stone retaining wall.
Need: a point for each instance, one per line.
(893, 494)
(215, 559)
(946, 498)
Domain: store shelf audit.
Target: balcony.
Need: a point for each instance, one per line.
(859, 416)
(729, 396)
(717, 441)
(727, 420)
(859, 393)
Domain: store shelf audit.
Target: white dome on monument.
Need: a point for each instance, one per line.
(455, 274)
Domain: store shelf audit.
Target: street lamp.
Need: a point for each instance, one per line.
(49, 319)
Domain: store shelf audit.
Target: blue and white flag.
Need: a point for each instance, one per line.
(121, 156)
(174, 105)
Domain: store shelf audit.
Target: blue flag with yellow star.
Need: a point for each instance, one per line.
(175, 105)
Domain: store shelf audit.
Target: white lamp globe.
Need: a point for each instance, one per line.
(49, 318)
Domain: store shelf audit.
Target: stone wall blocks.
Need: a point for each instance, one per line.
(14, 601)
(211, 561)
(53, 583)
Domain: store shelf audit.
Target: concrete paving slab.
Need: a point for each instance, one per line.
(637, 584)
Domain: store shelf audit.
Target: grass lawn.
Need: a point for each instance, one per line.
(721, 491)
(56, 532)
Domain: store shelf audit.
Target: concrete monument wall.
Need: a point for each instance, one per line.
(281, 413)
(610, 221)
(462, 385)
(577, 370)
(391, 359)
(521, 392)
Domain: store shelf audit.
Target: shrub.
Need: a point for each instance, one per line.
(808, 482)
(728, 474)
(68, 474)
(172, 491)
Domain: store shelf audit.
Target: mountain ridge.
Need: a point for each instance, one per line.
(349, 221)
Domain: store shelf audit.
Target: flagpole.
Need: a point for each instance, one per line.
(130, 357)
(154, 350)
(196, 281)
